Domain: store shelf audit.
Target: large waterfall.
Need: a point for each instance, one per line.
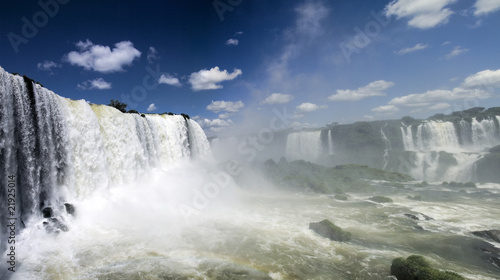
(464, 144)
(431, 150)
(304, 145)
(62, 150)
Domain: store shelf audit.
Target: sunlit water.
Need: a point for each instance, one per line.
(142, 231)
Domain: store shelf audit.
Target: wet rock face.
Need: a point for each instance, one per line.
(329, 230)
(492, 235)
(47, 212)
(70, 209)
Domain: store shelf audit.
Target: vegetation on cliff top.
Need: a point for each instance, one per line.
(308, 176)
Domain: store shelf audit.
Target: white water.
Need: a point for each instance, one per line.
(387, 149)
(434, 136)
(330, 143)
(304, 145)
(65, 150)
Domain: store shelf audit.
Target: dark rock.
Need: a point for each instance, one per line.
(329, 230)
(381, 199)
(70, 209)
(411, 216)
(417, 267)
(47, 212)
(493, 235)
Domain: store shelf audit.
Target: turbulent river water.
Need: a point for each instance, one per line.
(143, 232)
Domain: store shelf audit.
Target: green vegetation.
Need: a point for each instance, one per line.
(132, 112)
(418, 268)
(302, 175)
(118, 105)
(329, 230)
(381, 199)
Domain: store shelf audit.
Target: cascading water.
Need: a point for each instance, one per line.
(64, 150)
(387, 149)
(305, 145)
(465, 144)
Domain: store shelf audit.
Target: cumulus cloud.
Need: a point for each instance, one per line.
(417, 47)
(152, 55)
(152, 107)
(98, 83)
(386, 109)
(376, 88)
(232, 42)
(483, 79)
(476, 86)
(484, 7)
(456, 52)
(214, 125)
(102, 58)
(169, 80)
(210, 79)
(309, 107)
(47, 65)
(225, 106)
(277, 98)
(422, 14)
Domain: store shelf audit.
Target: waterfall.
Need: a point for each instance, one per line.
(387, 149)
(60, 149)
(483, 134)
(465, 144)
(305, 145)
(330, 142)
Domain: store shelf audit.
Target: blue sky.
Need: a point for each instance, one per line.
(233, 63)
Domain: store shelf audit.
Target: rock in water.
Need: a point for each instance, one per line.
(70, 209)
(493, 235)
(47, 212)
(329, 230)
(417, 267)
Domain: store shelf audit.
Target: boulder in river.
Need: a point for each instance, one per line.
(417, 267)
(329, 230)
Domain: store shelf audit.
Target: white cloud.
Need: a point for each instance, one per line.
(476, 86)
(152, 55)
(225, 106)
(102, 58)
(98, 83)
(376, 88)
(209, 79)
(310, 16)
(417, 47)
(277, 98)
(152, 107)
(169, 80)
(440, 106)
(486, 78)
(431, 97)
(484, 7)
(456, 52)
(232, 42)
(309, 107)
(385, 109)
(47, 65)
(422, 14)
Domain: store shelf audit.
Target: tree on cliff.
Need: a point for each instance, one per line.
(118, 105)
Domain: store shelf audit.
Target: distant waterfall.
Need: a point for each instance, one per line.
(387, 149)
(330, 143)
(60, 149)
(464, 142)
(305, 145)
